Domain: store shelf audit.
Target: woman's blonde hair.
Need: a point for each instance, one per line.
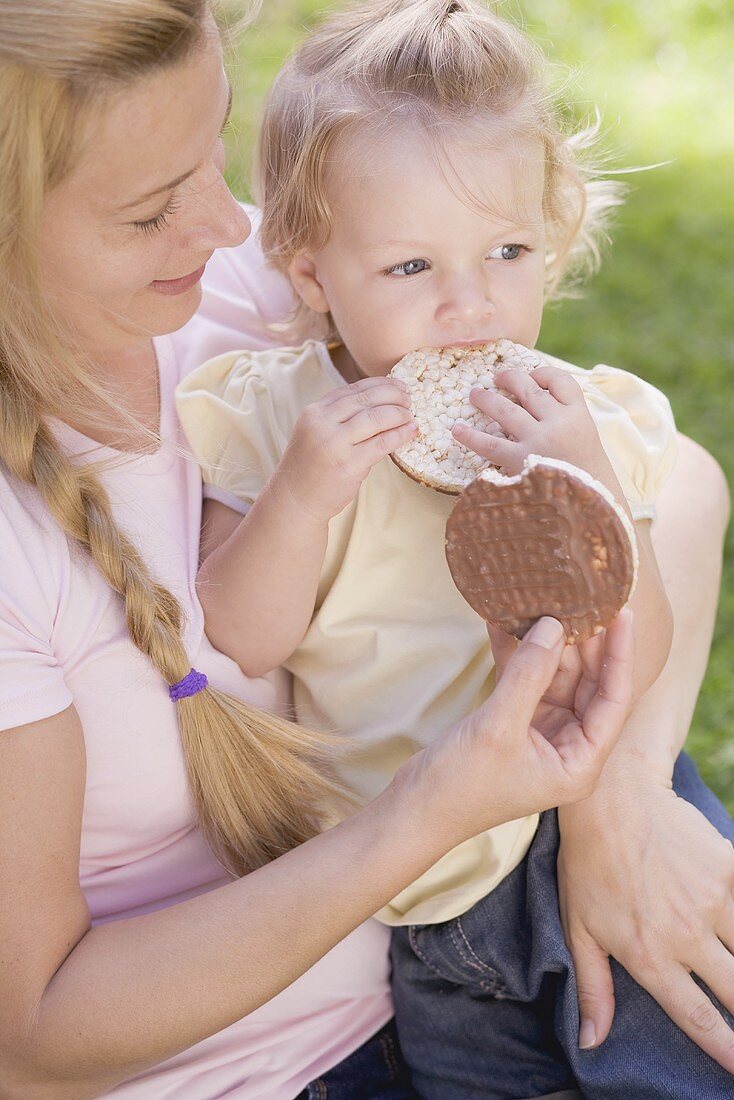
(261, 785)
(445, 66)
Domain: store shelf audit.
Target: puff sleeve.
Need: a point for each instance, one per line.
(225, 411)
(637, 430)
(239, 411)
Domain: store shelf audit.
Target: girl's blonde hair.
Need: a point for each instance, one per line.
(261, 785)
(445, 66)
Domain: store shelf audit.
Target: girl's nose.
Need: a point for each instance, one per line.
(465, 302)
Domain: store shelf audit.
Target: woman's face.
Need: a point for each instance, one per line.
(126, 236)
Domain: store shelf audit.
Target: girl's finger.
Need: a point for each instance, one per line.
(384, 443)
(502, 452)
(560, 383)
(512, 418)
(375, 420)
(538, 402)
(352, 387)
(351, 402)
(375, 380)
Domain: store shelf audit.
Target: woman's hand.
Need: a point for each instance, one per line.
(540, 740)
(645, 878)
(336, 441)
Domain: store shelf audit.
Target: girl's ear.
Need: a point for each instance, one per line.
(304, 276)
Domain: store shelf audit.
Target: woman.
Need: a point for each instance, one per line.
(125, 945)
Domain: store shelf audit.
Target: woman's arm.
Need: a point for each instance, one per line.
(258, 587)
(653, 614)
(655, 888)
(688, 537)
(83, 1008)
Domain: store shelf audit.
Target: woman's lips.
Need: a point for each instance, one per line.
(178, 286)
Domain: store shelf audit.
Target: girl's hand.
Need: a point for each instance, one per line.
(551, 419)
(645, 878)
(337, 440)
(527, 749)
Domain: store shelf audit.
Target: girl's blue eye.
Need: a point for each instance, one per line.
(508, 252)
(160, 221)
(410, 267)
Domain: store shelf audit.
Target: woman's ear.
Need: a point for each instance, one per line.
(304, 276)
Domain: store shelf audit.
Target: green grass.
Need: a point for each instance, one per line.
(662, 75)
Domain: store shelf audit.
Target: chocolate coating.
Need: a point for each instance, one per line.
(546, 544)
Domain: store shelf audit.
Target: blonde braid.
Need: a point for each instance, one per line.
(259, 783)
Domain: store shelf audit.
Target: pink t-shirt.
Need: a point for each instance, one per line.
(63, 640)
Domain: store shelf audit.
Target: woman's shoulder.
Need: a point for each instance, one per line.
(33, 548)
(23, 508)
(35, 565)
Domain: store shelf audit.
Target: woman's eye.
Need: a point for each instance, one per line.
(508, 252)
(160, 221)
(410, 267)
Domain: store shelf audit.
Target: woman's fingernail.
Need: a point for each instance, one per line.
(546, 632)
(587, 1035)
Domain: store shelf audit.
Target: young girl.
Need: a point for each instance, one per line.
(418, 191)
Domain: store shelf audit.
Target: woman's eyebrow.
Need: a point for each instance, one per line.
(180, 179)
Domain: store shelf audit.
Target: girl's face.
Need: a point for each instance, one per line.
(125, 238)
(417, 258)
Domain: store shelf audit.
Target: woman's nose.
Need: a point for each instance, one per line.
(221, 221)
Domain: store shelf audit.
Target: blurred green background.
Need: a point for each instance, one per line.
(662, 74)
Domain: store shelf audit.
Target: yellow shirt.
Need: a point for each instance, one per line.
(393, 655)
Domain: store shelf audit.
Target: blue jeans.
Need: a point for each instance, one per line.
(375, 1070)
(486, 1004)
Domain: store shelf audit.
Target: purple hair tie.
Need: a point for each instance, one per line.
(192, 683)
